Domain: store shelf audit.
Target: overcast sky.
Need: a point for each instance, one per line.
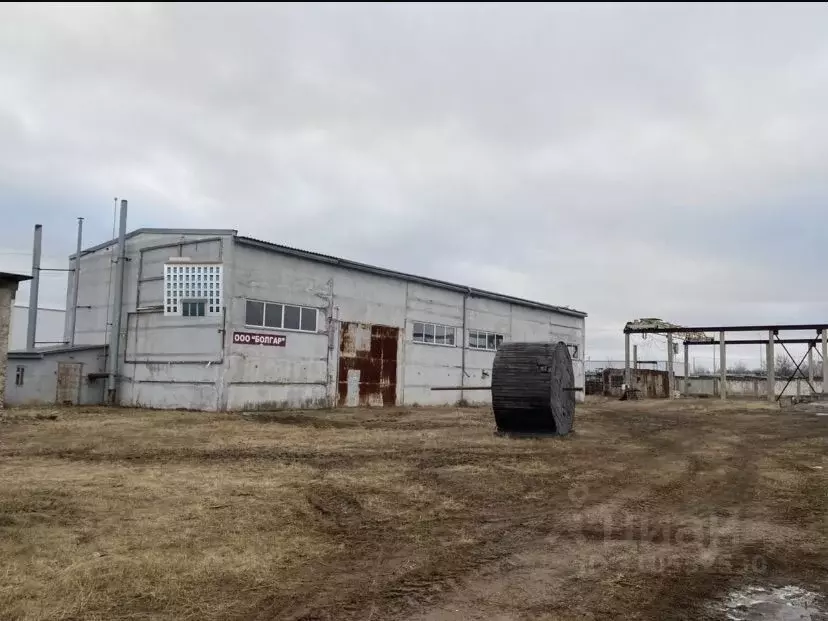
(628, 161)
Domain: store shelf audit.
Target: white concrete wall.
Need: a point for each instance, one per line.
(303, 373)
(50, 326)
(298, 374)
(748, 387)
(166, 362)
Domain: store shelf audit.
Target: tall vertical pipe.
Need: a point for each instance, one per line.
(73, 318)
(31, 330)
(117, 309)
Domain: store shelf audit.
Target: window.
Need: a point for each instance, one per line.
(573, 351)
(273, 316)
(308, 323)
(186, 284)
(18, 378)
(292, 314)
(484, 340)
(616, 381)
(286, 316)
(434, 334)
(192, 309)
(254, 315)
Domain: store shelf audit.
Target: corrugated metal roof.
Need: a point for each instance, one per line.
(371, 269)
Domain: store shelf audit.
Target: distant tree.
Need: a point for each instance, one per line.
(783, 367)
(702, 371)
(739, 368)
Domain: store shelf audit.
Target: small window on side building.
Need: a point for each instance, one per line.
(19, 376)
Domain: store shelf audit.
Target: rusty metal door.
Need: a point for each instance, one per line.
(367, 365)
(68, 383)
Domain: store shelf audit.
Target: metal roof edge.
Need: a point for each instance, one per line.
(44, 351)
(24, 355)
(14, 276)
(380, 271)
(159, 231)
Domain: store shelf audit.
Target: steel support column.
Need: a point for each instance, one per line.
(670, 374)
(770, 363)
(810, 366)
(723, 365)
(627, 373)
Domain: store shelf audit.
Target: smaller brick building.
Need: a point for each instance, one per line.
(8, 291)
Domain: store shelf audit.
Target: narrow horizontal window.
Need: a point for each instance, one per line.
(434, 334)
(284, 316)
(484, 340)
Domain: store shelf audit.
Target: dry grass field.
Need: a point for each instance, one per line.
(650, 510)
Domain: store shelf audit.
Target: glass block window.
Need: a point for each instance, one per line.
(191, 287)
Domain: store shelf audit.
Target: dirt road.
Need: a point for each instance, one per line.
(650, 510)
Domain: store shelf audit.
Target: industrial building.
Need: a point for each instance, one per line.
(211, 320)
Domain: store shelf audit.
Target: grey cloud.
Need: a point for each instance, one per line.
(625, 159)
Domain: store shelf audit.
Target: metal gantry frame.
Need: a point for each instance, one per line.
(669, 330)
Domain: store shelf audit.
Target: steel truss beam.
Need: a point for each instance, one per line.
(776, 328)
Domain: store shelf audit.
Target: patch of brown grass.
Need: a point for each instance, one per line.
(130, 514)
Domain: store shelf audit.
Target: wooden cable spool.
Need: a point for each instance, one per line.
(533, 388)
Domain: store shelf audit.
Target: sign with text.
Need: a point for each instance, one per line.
(258, 338)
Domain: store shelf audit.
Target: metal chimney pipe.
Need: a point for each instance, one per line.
(31, 330)
(117, 310)
(73, 318)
